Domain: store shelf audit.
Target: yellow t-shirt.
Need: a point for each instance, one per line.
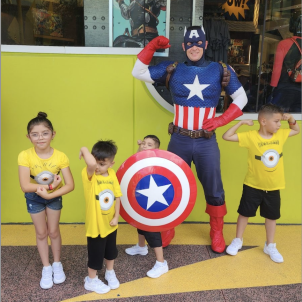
(100, 193)
(42, 171)
(265, 159)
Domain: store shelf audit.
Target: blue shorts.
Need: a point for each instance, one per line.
(36, 203)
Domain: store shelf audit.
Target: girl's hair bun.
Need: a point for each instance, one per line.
(41, 118)
(42, 115)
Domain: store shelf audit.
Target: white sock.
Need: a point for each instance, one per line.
(90, 279)
(56, 263)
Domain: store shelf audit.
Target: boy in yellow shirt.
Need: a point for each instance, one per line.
(102, 195)
(265, 176)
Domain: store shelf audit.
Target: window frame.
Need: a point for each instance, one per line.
(110, 50)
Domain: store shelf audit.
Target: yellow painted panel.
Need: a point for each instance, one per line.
(92, 97)
(87, 98)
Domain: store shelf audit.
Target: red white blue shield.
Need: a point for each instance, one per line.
(159, 190)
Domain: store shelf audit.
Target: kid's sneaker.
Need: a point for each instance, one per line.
(272, 251)
(158, 269)
(234, 247)
(46, 280)
(58, 273)
(137, 250)
(112, 280)
(96, 285)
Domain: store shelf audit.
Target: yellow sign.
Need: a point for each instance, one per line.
(235, 7)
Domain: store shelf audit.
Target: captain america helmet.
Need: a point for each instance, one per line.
(193, 35)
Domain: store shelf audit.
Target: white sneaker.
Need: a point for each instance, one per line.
(58, 273)
(272, 251)
(234, 247)
(158, 269)
(46, 280)
(96, 285)
(137, 250)
(112, 280)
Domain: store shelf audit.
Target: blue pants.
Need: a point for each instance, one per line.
(205, 155)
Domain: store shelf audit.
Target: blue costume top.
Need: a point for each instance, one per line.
(209, 76)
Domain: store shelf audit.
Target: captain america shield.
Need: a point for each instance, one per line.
(159, 190)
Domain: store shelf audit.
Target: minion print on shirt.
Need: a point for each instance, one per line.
(270, 158)
(106, 199)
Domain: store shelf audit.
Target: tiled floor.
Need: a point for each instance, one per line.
(196, 273)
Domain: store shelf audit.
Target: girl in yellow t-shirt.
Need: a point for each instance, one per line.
(40, 180)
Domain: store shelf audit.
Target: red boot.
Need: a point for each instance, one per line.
(167, 236)
(216, 222)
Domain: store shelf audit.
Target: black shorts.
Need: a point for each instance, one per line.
(100, 248)
(153, 238)
(269, 202)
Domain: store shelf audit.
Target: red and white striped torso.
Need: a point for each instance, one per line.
(192, 118)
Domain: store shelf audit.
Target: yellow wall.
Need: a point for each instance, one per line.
(91, 97)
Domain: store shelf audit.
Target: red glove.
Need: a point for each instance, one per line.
(146, 55)
(229, 115)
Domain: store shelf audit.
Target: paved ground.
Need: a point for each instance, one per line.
(196, 273)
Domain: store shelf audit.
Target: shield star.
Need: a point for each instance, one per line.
(196, 88)
(154, 193)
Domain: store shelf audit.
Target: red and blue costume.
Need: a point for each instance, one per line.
(195, 88)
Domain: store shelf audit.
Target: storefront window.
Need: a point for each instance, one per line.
(280, 75)
(47, 23)
(259, 48)
(83, 23)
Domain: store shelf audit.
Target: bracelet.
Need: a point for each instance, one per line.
(292, 124)
(50, 187)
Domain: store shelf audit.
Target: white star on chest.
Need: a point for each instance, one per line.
(154, 193)
(196, 88)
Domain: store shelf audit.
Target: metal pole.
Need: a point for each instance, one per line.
(261, 54)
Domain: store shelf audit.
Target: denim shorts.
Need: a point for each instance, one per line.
(36, 203)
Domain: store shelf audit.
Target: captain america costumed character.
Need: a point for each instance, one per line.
(195, 87)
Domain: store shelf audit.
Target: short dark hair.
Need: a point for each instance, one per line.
(270, 109)
(41, 118)
(104, 149)
(155, 138)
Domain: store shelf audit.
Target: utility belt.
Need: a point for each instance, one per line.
(191, 133)
(143, 29)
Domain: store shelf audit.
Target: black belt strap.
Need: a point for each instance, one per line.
(259, 157)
